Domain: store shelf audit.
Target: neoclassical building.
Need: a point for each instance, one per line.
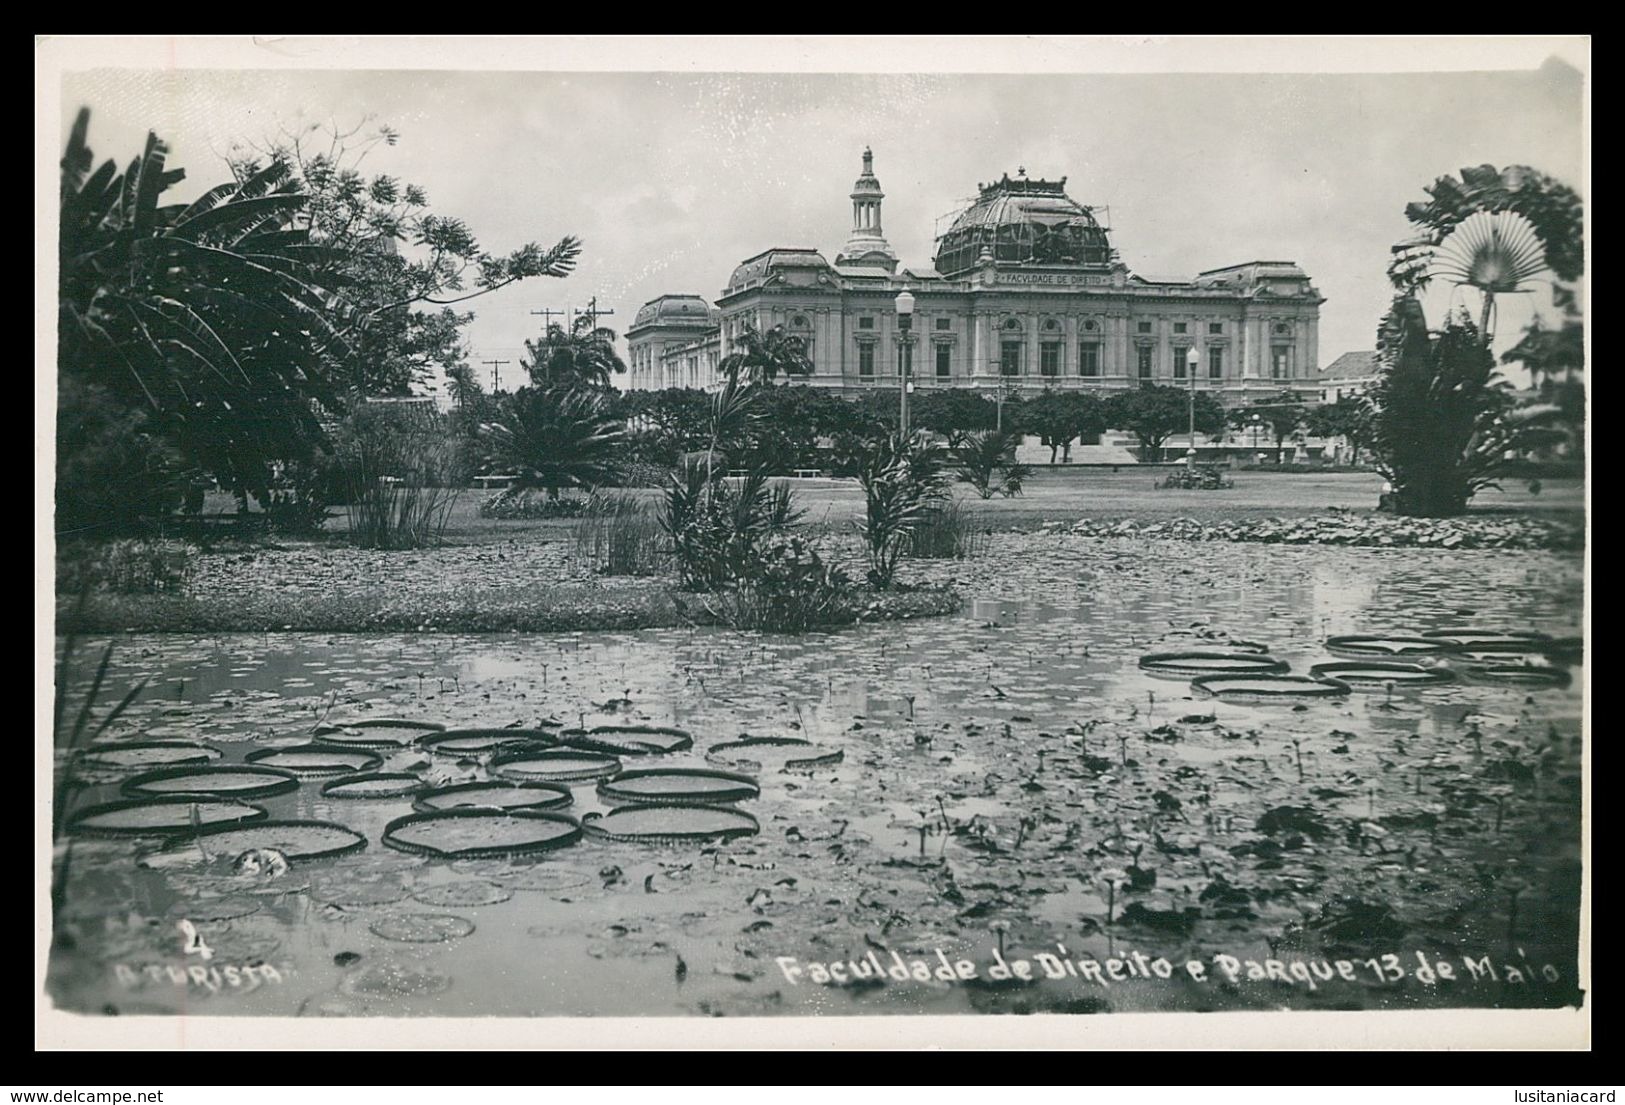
(1026, 292)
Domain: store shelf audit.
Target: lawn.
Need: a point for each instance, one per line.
(1065, 495)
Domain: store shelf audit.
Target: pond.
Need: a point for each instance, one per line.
(998, 811)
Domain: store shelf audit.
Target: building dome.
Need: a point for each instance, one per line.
(677, 310)
(791, 266)
(1024, 222)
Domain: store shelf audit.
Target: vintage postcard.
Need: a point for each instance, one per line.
(774, 542)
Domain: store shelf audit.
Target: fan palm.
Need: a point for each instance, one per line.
(556, 438)
(1493, 230)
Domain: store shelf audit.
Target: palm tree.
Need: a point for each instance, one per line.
(583, 356)
(556, 438)
(462, 385)
(763, 356)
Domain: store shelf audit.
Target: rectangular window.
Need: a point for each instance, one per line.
(1049, 359)
(866, 360)
(1179, 327)
(866, 322)
(1281, 361)
(1146, 353)
(945, 323)
(1215, 327)
(1179, 362)
(1215, 362)
(905, 360)
(945, 354)
(1144, 327)
(1010, 358)
(1089, 359)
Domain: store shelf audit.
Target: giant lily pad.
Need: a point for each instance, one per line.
(161, 816)
(629, 740)
(1268, 688)
(1530, 640)
(377, 732)
(1491, 655)
(557, 766)
(678, 786)
(373, 784)
(1375, 675)
(495, 794)
(144, 755)
(463, 894)
(1361, 646)
(239, 781)
(671, 824)
(471, 833)
(773, 753)
(1535, 675)
(316, 759)
(421, 928)
(463, 743)
(1212, 663)
(296, 840)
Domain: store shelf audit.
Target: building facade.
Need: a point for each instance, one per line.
(1026, 292)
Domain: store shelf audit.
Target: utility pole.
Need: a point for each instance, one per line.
(593, 311)
(548, 313)
(496, 373)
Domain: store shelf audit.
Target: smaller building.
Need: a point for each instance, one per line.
(674, 342)
(1350, 374)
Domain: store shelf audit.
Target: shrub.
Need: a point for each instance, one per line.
(619, 536)
(902, 478)
(719, 528)
(986, 461)
(530, 503)
(113, 476)
(139, 566)
(947, 532)
(789, 590)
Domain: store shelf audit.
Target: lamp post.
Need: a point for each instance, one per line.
(905, 323)
(1192, 359)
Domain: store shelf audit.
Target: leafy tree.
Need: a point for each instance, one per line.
(584, 356)
(401, 324)
(555, 438)
(213, 318)
(1444, 423)
(1060, 418)
(1348, 418)
(1155, 412)
(1282, 414)
(950, 410)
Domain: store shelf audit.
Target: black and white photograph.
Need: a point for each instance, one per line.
(793, 532)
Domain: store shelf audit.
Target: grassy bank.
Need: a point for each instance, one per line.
(617, 605)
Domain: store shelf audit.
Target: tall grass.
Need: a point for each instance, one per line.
(402, 475)
(620, 536)
(948, 532)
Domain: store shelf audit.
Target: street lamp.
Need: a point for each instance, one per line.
(1192, 359)
(905, 323)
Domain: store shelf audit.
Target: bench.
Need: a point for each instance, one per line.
(808, 473)
(487, 482)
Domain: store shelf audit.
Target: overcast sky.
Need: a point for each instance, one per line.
(671, 179)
